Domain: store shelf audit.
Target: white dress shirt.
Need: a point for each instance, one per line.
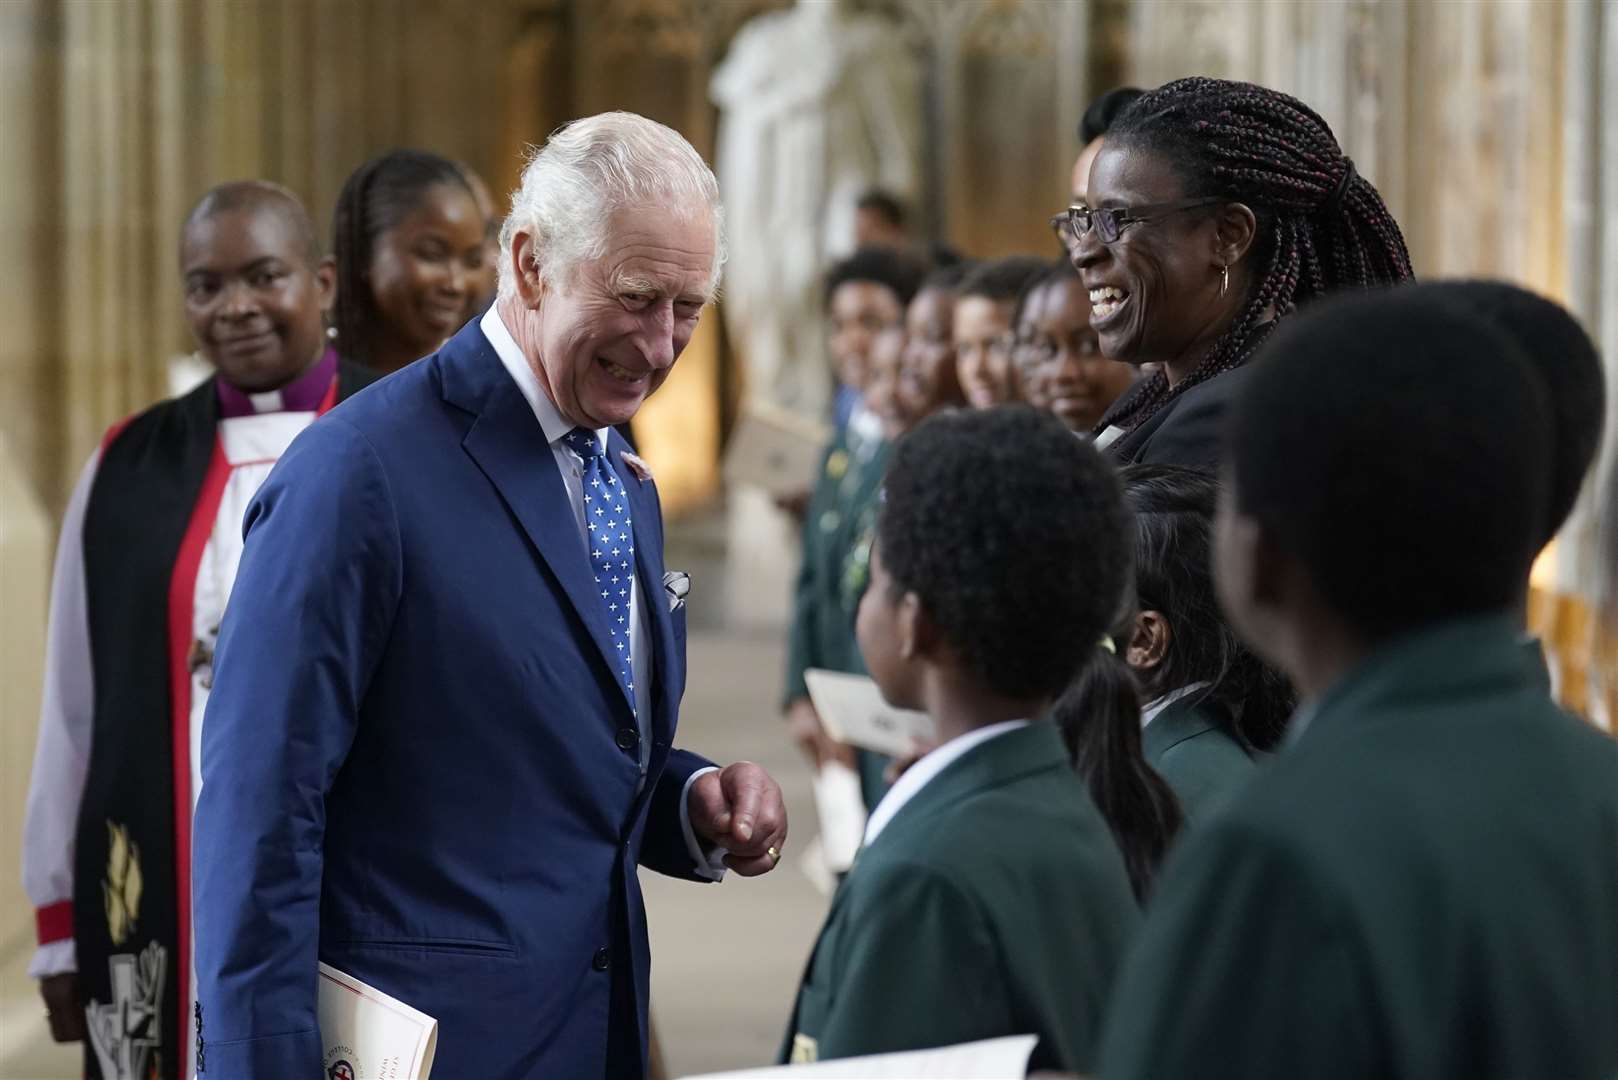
(1149, 711)
(918, 775)
(571, 467)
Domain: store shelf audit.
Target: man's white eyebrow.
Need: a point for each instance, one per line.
(631, 283)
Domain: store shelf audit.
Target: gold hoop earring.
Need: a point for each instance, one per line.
(1224, 279)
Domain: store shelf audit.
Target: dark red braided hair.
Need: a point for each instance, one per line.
(1321, 226)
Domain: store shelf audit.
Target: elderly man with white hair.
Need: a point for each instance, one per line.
(440, 740)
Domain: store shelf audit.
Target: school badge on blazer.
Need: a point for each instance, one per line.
(805, 1051)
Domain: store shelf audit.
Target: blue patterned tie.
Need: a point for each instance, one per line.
(612, 546)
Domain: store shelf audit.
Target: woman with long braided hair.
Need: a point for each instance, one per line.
(410, 244)
(1216, 209)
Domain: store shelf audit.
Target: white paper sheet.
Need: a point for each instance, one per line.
(775, 449)
(991, 1059)
(853, 712)
(841, 809)
(812, 862)
(376, 1036)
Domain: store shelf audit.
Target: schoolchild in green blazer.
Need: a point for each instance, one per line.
(989, 898)
(1569, 366)
(866, 295)
(1211, 708)
(1422, 883)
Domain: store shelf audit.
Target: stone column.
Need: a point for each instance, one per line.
(1586, 566)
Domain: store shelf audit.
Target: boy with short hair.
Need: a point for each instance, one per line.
(1569, 367)
(989, 898)
(1422, 883)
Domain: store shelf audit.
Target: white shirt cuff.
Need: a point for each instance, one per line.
(712, 864)
(54, 958)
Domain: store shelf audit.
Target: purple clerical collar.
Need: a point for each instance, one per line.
(302, 394)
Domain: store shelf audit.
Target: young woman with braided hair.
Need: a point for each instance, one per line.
(1216, 209)
(410, 244)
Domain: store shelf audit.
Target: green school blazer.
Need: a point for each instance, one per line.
(1190, 745)
(831, 580)
(822, 630)
(994, 903)
(1424, 884)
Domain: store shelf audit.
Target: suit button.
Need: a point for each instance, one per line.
(599, 961)
(628, 738)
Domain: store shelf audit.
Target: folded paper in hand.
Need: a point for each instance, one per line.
(842, 815)
(775, 449)
(370, 1033)
(853, 712)
(990, 1059)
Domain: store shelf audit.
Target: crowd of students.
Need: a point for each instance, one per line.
(1205, 545)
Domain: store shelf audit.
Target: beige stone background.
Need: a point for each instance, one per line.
(1490, 125)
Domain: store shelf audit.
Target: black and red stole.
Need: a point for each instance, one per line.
(151, 510)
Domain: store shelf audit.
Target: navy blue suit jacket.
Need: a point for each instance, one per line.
(418, 765)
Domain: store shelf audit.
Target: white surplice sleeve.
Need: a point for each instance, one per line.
(62, 755)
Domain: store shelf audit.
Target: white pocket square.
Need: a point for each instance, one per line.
(676, 585)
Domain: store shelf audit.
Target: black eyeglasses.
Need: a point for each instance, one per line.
(1110, 222)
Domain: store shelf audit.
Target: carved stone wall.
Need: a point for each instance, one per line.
(124, 113)
(1492, 130)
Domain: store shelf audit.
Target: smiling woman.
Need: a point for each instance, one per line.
(1215, 209)
(255, 287)
(410, 242)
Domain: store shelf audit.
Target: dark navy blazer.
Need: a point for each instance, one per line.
(418, 765)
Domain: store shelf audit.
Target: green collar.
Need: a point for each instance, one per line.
(1459, 658)
(999, 761)
(1193, 715)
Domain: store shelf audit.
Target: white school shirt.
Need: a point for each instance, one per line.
(1149, 711)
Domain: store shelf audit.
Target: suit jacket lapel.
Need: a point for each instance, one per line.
(508, 445)
(643, 504)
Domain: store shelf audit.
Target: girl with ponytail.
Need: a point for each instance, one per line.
(1199, 706)
(1099, 718)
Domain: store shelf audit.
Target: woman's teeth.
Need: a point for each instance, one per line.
(619, 372)
(1106, 300)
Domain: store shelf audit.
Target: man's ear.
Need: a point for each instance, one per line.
(1235, 229)
(524, 258)
(1148, 641)
(326, 283)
